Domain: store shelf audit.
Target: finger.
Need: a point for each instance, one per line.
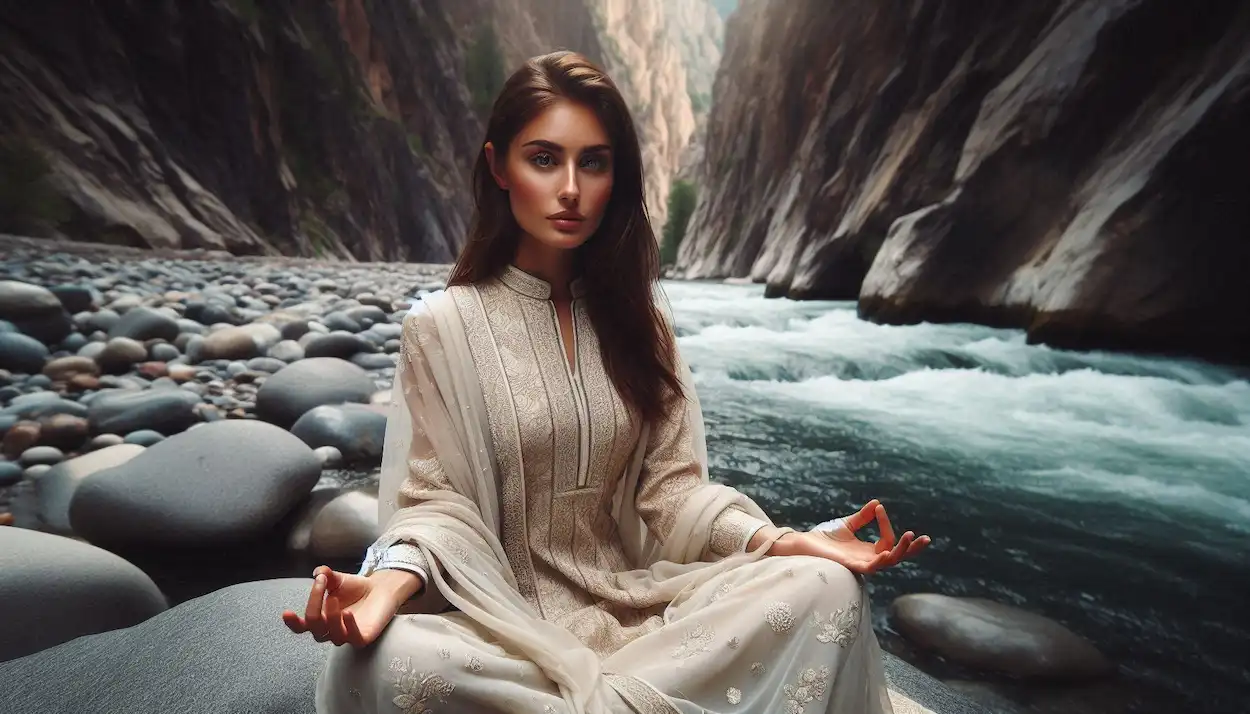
(886, 541)
(353, 630)
(334, 580)
(900, 549)
(918, 545)
(294, 622)
(862, 517)
(312, 613)
(334, 621)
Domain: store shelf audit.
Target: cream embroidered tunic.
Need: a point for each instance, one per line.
(562, 435)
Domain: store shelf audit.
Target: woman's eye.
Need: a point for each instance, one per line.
(595, 163)
(541, 160)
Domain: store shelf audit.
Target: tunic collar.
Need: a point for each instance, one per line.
(534, 286)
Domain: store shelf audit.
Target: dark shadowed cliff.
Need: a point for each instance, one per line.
(315, 128)
(1067, 167)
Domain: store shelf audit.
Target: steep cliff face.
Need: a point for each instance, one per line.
(698, 30)
(332, 128)
(645, 63)
(1067, 167)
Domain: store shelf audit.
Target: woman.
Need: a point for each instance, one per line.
(545, 475)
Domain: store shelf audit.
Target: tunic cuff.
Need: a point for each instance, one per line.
(406, 556)
(732, 531)
(397, 556)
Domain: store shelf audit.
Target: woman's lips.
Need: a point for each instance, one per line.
(567, 225)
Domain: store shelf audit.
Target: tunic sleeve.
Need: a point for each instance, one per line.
(424, 474)
(671, 473)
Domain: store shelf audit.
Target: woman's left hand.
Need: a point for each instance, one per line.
(841, 545)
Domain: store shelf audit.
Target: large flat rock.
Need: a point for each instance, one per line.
(224, 653)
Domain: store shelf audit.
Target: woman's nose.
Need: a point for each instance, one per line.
(569, 190)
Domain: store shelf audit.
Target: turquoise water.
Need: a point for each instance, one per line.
(1109, 492)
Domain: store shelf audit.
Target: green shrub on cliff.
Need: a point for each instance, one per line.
(681, 200)
(484, 68)
(29, 203)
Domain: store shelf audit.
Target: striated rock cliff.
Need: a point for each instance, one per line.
(332, 128)
(1065, 166)
(698, 30)
(645, 63)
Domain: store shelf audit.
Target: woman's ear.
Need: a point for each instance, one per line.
(494, 167)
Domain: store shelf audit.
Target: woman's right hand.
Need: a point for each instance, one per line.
(345, 608)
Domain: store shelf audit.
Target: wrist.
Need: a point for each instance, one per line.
(399, 585)
(783, 544)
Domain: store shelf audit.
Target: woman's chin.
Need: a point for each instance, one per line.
(564, 241)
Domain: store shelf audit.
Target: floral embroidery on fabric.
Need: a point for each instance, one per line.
(416, 689)
(694, 641)
(734, 643)
(840, 627)
(720, 592)
(809, 688)
(473, 663)
(779, 617)
(462, 554)
(733, 695)
(757, 668)
(824, 578)
(444, 653)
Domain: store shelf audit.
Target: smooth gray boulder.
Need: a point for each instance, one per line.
(988, 635)
(356, 430)
(55, 489)
(220, 483)
(312, 382)
(55, 589)
(168, 411)
(223, 653)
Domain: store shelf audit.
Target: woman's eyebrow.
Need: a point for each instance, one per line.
(553, 146)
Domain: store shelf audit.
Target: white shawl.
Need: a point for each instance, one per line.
(436, 385)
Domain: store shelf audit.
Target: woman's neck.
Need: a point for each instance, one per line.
(556, 266)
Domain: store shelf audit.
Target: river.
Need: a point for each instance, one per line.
(1109, 492)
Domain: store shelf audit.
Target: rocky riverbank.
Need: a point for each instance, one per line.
(156, 405)
(180, 423)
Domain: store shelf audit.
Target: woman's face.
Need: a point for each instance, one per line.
(558, 174)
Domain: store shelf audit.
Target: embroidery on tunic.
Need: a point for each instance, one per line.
(640, 695)
(733, 695)
(809, 687)
(444, 653)
(694, 641)
(779, 617)
(840, 627)
(757, 668)
(719, 592)
(734, 643)
(473, 663)
(501, 416)
(824, 578)
(416, 689)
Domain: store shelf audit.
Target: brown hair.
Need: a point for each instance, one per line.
(620, 263)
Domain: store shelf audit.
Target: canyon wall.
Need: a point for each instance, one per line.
(1069, 167)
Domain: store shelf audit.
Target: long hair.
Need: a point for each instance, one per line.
(620, 263)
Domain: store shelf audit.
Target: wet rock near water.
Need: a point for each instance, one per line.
(995, 637)
(188, 415)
